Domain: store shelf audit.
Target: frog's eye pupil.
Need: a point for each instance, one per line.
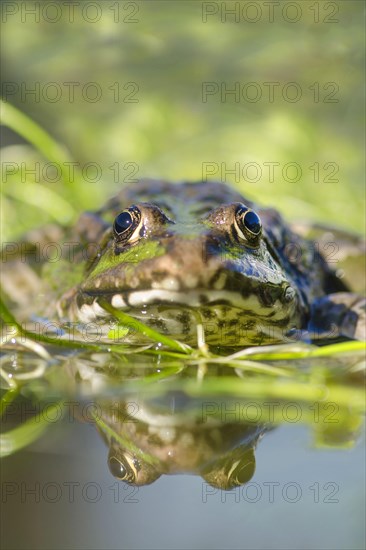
(248, 225)
(241, 475)
(252, 222)
(123, 222)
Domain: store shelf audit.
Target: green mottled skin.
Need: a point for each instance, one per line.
(190, 270)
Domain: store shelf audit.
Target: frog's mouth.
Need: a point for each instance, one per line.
(225, 315)
(88, 303)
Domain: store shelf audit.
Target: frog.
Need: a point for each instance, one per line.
(192, 260)
(148, 438)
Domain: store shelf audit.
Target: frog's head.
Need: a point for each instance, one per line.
(232, 469)
(153, 442)
(197, 258)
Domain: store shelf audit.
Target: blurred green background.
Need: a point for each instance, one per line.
(149, 63)
(159, 56)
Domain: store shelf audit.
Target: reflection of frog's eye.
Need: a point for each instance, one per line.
(127, 224)
(241, 473)
(231, 471)
(121, 470)
(248, 224)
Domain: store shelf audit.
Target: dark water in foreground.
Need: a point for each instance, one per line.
(59, 494)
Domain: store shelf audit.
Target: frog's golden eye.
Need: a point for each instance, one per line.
(241, 472)
(248, 224)
(127, 225)
(231, 471)
(122, 470)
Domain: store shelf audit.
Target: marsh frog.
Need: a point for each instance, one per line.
(181, 256)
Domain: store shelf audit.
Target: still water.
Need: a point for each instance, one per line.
(59, 492)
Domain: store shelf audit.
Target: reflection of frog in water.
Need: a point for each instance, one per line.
(150, 441)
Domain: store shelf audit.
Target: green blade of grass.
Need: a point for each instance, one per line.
(6, 315)
(261, 388)
(299, 351)
(43, 142)
(154, 335)
(7, 399)
(246, 365)
(125, 443)
(339, 349)
(58, 208)
(27, 433)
